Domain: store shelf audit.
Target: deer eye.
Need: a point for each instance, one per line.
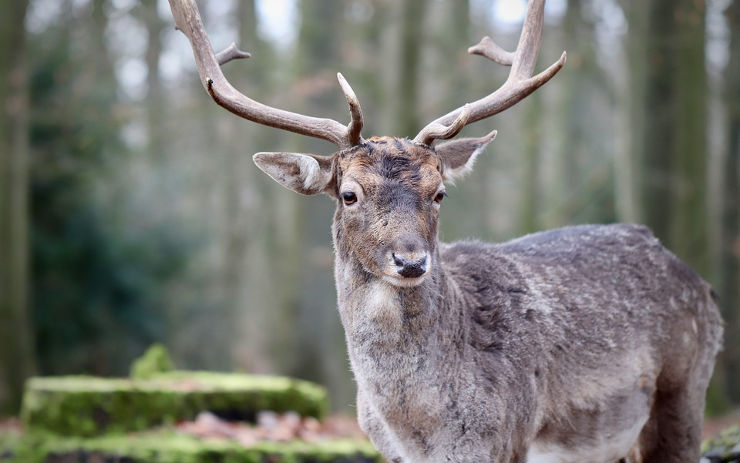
(349, 198)
(439, 197)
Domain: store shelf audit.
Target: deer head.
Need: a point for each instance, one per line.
(389, 192)
(388, 189)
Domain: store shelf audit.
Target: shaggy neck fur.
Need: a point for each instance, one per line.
(379, 315)
(403, 345)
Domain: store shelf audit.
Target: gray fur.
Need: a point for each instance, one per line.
(591, 338)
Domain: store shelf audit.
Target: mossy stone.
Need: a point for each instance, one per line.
(88, 406)
(10, 441)
(723, 448)
(169, 447)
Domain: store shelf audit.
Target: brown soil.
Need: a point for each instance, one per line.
(272, 427)
(713, 426)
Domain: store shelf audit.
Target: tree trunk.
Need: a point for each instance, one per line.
(154, 104)
(729, 288)
(16, 356)
(412, 17)
(320, 47)
(690, 208)
(530, 186)
(245, 246)
(629, 164)
(673, 130)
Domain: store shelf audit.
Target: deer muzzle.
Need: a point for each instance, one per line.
(410, 267)
(410, 256)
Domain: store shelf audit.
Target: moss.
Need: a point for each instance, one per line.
(723, 446)
(10, 440)
(88, 406)
(167, 447)
(155, 360)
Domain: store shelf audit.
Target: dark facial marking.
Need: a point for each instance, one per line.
(395, 196)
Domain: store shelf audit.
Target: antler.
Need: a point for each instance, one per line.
(519, 84)
(187, 20)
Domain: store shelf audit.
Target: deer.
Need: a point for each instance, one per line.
(589, 343)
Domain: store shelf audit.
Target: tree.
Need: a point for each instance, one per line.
(412, 18)
(16, 355)
(729, 288)
(154, 99)
(667, 124)
(583, 168)
(245, 242)
(311, 310)
(629, 173)
(530, 199)
(673, 131)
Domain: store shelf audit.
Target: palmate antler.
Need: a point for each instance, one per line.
(187, 20)
(519, 84)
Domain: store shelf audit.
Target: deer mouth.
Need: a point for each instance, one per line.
(405, 282)
(407, 273)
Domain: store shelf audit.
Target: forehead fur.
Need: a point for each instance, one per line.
(389, 158)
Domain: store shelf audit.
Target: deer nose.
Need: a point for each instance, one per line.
(410, 268)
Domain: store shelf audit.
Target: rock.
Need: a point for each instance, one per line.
(169, 447)
(10, 440)
(724, 448)
(88, 406)
(146, 419)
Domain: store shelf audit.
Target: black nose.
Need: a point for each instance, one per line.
(410, 268)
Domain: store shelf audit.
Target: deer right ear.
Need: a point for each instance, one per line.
(458, 156)
(306, 174)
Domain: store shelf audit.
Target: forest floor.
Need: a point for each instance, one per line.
(712, 426)
(8, 425)
(270, 426)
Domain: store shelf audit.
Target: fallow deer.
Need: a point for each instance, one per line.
(582, 344)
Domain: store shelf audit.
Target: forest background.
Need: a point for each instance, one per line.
(131, 212)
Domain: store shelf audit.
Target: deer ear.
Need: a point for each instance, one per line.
(458, 156)
(306, 174)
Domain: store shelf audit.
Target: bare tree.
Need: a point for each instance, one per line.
(671, 127)
(730, 264)
(16, 353)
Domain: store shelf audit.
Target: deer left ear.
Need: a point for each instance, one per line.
(306, 174)
(458, 156)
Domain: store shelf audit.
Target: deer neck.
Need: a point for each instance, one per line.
(389, 325)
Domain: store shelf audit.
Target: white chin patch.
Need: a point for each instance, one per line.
(405, 282)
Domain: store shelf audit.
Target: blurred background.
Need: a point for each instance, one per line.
(131, 212)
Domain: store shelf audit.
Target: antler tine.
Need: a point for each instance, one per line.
(520, 82)
(355, 126)
(525, 56)
(188, 20)
(231, 53)
(488, 48)
(436, 131)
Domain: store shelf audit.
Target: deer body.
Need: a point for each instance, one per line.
(589, 344)
(533, 350)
